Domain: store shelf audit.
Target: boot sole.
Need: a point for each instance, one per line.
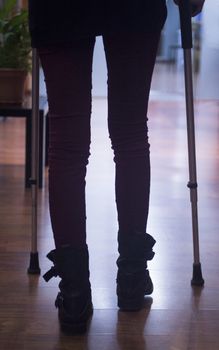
(77, 327)
(130, 305)
(134, 304)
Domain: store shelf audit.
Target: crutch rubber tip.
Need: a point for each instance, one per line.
(197, 279)
(34, 268)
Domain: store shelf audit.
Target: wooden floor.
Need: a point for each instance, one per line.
(176, 316)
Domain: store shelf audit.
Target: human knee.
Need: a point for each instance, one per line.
(129, 139)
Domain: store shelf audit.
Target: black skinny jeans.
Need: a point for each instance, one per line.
(68, 72)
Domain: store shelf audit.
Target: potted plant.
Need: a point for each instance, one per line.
(15, 51)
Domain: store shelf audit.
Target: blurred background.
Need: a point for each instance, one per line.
(177, 316)
(170, 59)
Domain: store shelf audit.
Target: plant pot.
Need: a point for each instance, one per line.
(12, 83)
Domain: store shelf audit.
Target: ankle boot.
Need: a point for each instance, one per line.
(74, 299)
(133, 279)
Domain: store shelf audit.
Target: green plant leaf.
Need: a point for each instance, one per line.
(7, 8)
(15, 44)
(19, 19)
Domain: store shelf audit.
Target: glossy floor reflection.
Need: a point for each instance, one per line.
(176, 316)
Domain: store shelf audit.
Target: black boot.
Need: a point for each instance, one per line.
(133, 279)
(74, 299)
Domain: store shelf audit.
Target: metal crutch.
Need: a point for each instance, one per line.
(186, 34)
(34, 259)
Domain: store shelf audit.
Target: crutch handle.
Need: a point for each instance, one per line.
(185, 23)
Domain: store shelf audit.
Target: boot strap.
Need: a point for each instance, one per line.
(50, 274)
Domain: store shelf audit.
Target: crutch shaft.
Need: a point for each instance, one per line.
(34, 259)
(35, 147)
(192, 151)
(186, 34)
(190, 115)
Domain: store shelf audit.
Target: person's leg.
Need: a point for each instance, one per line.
(68, 80)
(130, 61)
